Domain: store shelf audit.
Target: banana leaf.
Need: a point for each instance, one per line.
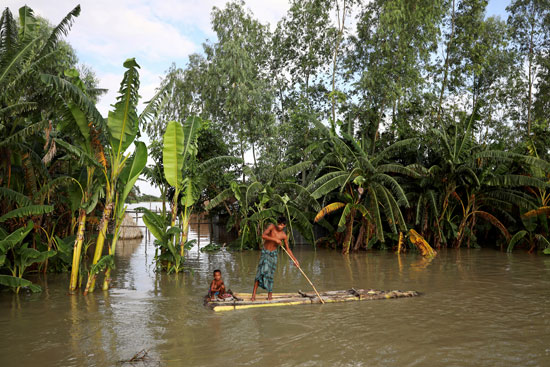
(172, 153)
(123, 121)
(14, 282)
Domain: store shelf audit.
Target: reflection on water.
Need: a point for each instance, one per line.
(478, 308)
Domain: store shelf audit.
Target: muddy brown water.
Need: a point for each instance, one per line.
(477, 308)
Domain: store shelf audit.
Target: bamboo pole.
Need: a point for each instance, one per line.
(304, 274)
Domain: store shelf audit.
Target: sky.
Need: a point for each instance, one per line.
(156, 32)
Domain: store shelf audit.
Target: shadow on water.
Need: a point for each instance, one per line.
(478, 307)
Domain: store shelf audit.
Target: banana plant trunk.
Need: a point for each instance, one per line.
(361, 236)
(77, 250)
(349, 232)
(462, 226)
(112, 248)
(185, 231)
(90, 286)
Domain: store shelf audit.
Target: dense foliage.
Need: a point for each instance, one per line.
(358, 120)
(398, 115)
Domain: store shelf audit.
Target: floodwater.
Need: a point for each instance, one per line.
(477, 308)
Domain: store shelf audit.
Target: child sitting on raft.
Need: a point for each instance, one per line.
(217, 287)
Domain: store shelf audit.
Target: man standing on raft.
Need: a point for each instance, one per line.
(273, 236)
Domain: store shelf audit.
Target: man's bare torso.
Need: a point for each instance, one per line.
(280, 235)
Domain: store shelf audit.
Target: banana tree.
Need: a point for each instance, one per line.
(534, 216)
(128, 177)
(169, 258)
(17, 256)
(262, 202)
(122, 129)
(185, 174)
(77, 109)
(364, 183)
(25, 50)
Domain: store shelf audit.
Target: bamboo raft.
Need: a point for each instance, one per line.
(242, 301)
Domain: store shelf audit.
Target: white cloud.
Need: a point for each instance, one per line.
(196, 13)
(157, 33)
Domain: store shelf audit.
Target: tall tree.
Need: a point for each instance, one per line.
(392, 49)
(527, 26)
(238, 76)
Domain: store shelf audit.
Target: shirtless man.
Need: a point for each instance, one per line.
(273, 237)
